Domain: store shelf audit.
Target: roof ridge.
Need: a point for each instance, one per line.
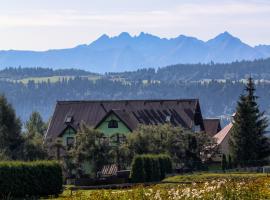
(124, 100)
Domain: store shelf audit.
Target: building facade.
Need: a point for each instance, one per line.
(121, 117)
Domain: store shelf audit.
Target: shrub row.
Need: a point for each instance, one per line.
(149, 168)
(27, 179)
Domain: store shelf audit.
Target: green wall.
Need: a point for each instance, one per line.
(68, 133)
(103, 127)
(122, 128)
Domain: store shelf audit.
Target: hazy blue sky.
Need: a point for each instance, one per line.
(44, 24)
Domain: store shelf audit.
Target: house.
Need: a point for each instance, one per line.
(122, 116)
(212, 126)
(221, 136)
(222, 139)
(222, 143)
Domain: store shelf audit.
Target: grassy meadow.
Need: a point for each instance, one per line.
(246, 186)
(54, 79)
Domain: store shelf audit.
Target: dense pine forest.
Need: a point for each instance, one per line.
(217, 98)
(258, 69)
(218, 86)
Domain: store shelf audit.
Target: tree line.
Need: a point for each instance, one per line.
(18, 144)
(216, 98)
(258, 69)
(15, 73)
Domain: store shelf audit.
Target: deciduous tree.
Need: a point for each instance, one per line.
(91, 146)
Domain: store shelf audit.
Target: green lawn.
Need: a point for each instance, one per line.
(211, 176)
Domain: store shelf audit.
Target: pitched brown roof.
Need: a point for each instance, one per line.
(212, 126)
(184, 112)
(129, 120)
(221, 135)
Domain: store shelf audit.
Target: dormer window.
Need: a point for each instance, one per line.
(113, 124)
(168, 119)
(68, 119)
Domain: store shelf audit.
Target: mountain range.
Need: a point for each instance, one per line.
(126, 53)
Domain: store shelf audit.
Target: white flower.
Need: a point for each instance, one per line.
(157, 196)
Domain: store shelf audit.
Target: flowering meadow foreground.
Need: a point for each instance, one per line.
(203, 186)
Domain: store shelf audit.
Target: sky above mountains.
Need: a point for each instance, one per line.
(47, 24)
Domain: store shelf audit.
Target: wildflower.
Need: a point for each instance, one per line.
(157, 195)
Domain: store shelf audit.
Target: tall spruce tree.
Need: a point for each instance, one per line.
(10, 130)
(248, 144)
(224, 164)
(33, 148)
(35, 124)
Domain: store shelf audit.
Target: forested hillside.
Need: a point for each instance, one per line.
(218, 86)
(20, 73)
(258, 69)
(216, 98)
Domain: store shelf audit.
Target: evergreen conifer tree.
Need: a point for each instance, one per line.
(35, 125)
(224, 162)
(10, 130)
(230, 164)
(248, 145)
(34, 148)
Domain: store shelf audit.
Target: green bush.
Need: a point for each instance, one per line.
(148, 168)
(27, 179)
(156, 170)
(165, 164)
(137, 173)
(168, 164)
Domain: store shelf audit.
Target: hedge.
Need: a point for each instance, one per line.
(165, 164)
(138, 172)
(149, 168)
(28, 179)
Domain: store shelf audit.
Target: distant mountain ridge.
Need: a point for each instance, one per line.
(127, 53)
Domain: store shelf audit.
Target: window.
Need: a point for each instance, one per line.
(168, 119)
(197, 128)
(69, 119)
(113, 124)
(70, 141)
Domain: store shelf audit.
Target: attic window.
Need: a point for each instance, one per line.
(168, 118)
(113, 124)
(69, 119)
